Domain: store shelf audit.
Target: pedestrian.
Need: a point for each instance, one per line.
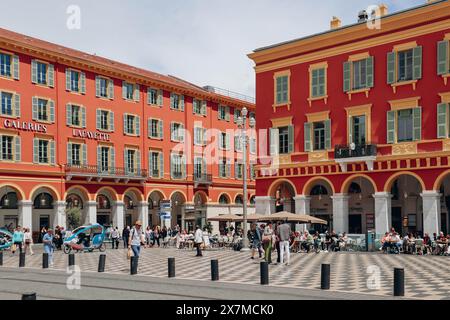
(198, 240)
(148, 232)
(17, 240)
(256, 237)
(28, 238)
(48, 245)
(125, 236)
(136, 239)
(156, 235)
(284, 233)
(267, 242)
(42, 234)
(115, 236)
(277, 242)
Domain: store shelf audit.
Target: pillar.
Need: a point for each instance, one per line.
(265, 205)
(302, 206)
(119, 214)
(143, 213)
(60, 215)
(431, 212)
(340, 212)
(26, 214)
(91, 216)
(383, 212)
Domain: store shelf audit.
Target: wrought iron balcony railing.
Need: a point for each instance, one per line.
(358, 151)
(100, 172)
(202, 178)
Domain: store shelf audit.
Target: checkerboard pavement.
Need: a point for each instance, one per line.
(426, 277)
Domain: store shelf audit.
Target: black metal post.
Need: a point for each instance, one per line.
(215, 270)
(45, 261)
(29, 296)
(71, 259)
(264, 272)
(399, 282)
(1, 258)
(22, 260)
(101, 263)
(325, 277)
(171, 267)
(134, 265)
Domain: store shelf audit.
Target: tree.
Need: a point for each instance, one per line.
(73, 216)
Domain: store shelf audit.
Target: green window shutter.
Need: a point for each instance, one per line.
(227, 141)
(181, 133)
(161, 165)
(16, 67)
(138, 126)
(417, 124)
(52, 152)
(113, 159)
(391, 67)
(149, 127)
(172, 165)
(51, 106)
(36, 150)
(51, 75)
(417, 62)
(160, 98)
(369, 72)
(391, 127)
(33, 71)
(125, 123)
(99, 158)
(97, 86)
(442, 120)
(124, 90)
(172, 131)
(204, 106)
(83, 82)
(18, 151)
(35, 108)
(314, 84)
(442, 58)
(274, 141)
(322, 82)
(84, 154)
(99, 115)
(125, 161)
(227, 113)
(111, 120)
(69, 114)
(278, 90)
(328, 134)
(83, 117)
(171, 101)
(161, 129)
(307, 134)
(17, 105)
(111, 89)
(350, 130)
(182, 103)
(149, 95)
(138, 161)
(291, 139)
(150, 164)
(69, 154)
(183, 166)
(68, 79)
(347, 76)
(137, 93)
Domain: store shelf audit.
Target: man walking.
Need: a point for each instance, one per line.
(125, 236)
(48, 246)
(198, 239)
(136, 238)
(284, 232)
(115, 238)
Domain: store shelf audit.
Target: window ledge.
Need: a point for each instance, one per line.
(364, 90)
(404, 83)
(280, 105)
(445, 77)
(311, 99)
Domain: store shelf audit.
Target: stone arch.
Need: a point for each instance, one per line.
(159, 191)
(392, 178)
(80, 191)
(109, 192)
(346, 184)
(203, 196)
(49, 189)
(136, 192)
(440, 179)
(278, 182)
(16, 188)
(313, 181)
(226, 194)
(236, 197)
(179, 192)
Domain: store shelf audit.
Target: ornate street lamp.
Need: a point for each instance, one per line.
(242, 124)
(6, 202)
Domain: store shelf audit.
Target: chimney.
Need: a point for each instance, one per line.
(383, 9)
(363, 16)
(335, 23)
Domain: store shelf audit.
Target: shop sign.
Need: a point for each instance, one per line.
(25, 126)
(93, 135)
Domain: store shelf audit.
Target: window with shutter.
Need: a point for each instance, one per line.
(442, 120)
(7, 104)
(443, 59)
(6, 65)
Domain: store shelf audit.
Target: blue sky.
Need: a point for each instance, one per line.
(202, 41)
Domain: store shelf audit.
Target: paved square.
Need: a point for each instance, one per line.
(426, 277)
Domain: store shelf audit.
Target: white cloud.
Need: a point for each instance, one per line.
(203, 41)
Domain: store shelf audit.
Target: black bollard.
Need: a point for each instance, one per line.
(101, 263)
(215, 270)
(1, 258)
(134, 265)
(45, 261)
(71, 259)
(171, 267)
(264, 273)
(399, 282)
(29, 296)
(22, 260)
(325, 277)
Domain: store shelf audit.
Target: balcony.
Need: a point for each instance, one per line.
(344, 154)
(202, 179)
(100, 173)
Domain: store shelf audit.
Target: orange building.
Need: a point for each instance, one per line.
(81, 131)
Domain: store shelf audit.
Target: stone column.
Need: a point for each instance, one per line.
(91, 216)
(265, 205)
(118, 214)
(431, 212)
(143, 213)
(26, 214)
(383, 212)
(302, 206)
(340, 212)
(60, 215)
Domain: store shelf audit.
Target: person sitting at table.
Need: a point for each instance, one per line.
(308, 241)
(395, 242)
(441, 244)
(317, 240)
(385, 245)
(427, 244)
(342, 241)
(295, 242)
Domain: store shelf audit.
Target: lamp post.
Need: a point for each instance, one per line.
(242, 124)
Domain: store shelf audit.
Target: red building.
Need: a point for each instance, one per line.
(83, 132)
(358, 123)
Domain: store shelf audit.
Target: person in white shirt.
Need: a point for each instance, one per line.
(198, 240)
(28, 240)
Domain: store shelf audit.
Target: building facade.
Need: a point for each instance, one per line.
(82, 132)
(357, 122)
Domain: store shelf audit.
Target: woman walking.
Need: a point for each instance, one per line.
(156, 235)
(267, 242)
(136, 238)
(17, 240)
(28, 241)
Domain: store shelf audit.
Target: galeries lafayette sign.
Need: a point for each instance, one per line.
(91, 135)
(25, 126)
